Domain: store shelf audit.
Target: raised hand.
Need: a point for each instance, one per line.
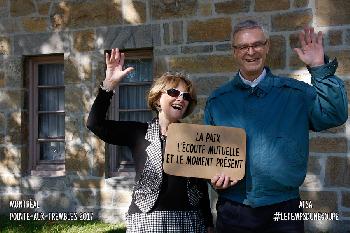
(114, 71)
(311, 51)
(222, 181)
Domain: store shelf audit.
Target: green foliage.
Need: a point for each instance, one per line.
(94, 226)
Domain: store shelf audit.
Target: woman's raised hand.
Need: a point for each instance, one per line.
(114, 71)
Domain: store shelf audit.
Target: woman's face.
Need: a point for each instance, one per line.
(173, 108)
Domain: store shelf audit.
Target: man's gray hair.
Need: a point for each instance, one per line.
(248, 24)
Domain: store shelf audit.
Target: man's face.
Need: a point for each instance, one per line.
(250, 48)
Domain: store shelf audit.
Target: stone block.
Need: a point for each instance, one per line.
(218, 29)
(301, 3)
(2, 79)
(89, 183)
(2, 138)
(73, 127)
(14, 121)
(77, 159)
(312, 182)
(76, 99)
(205, 9)
(345, 214)
(106, 198)
(166, 33)
(322, 201)
(223, 47)
(9, 180)
(335, 130)
(197, 49)
(10, 160)
(11, 100)
(332, 12)
(9, 25)
(5, 46)
(160, 66)
(86, 197)
(345, 199)
(35, 24)
(314, 165)
(14, 131)
(272, 5)
(335, 38)
(328, 145)
(2, 122)
(56, 201)
(291, 21)
(205, 85)
(343, 57)
(21, 7)
(115, 215)
(14, 70)
(84, 40)
(5, 202)
(4, 11)
(14, 81)
(41, 43)
(276, 58)
(123, 197)
(168, 9)
(3, 3)
(347, 87)
(347, 37)
(166, 51)
(295, 62)
(232, 7)
(177, 37)
(203, 64)
(75, 14)
(337, 172)
(129, 37)
(134, 12)
(44, 7)
(33, 184)
(77, 69)
(96, 147)
(198, 114)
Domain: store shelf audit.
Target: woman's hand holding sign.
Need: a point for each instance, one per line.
(221, 181)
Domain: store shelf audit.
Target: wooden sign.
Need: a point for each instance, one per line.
(203, 151)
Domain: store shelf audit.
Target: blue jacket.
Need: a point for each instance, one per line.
(277, 115)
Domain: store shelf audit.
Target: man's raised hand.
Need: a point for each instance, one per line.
(311, 51)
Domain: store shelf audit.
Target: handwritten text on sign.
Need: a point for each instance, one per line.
(203, 151)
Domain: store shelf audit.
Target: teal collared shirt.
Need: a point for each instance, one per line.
(277, 115)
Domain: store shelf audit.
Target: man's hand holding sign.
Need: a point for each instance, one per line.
(206, 152)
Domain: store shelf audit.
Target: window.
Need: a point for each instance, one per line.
(130, 104)
(46, 115)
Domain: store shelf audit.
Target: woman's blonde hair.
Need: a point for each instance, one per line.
(171, 80)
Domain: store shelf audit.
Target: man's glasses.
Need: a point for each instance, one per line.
(257, 46)
(176, 93)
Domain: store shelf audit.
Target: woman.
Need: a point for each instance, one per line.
(160, 202)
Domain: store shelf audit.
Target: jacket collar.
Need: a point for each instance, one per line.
(264, 86)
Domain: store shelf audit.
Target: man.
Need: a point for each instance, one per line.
(277, 114)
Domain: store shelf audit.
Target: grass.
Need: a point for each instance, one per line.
(95, 226)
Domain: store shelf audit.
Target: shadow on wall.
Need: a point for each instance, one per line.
(84, 187)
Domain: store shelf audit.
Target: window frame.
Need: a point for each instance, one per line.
(114, 160)
(35, 165)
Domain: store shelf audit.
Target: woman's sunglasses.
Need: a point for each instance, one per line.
(176, 93)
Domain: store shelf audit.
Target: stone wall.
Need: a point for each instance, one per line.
(192, 36)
